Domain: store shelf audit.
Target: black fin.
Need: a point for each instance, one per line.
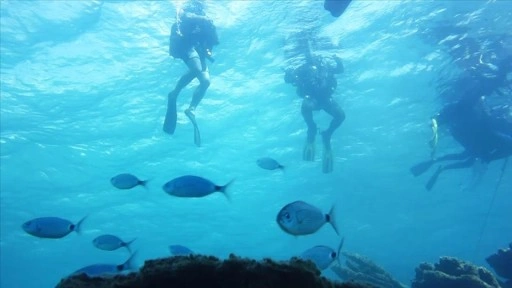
(421, 168)
(432, 181)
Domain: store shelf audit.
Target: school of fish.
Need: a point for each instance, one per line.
(297, 218)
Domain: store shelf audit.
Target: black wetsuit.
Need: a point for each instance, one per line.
(477, 131)
(316, 83)
(484, 137)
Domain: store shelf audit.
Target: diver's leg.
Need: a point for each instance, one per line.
(338, 116)
(422, 167)
(200, 69)
(307, 113)
(458, 165)
(182, 83)
(454, 156)
(170, 115)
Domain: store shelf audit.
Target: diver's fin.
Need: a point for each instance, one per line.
(170, 115)
(197, 135)
(308, 154)
(421, 168)
(432, 181)
(327, 161)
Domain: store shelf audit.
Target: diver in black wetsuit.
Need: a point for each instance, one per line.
(316, 82)
(192, 39)
(483, 136)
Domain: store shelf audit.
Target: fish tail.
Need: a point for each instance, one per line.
(338, 256)
(78, 226)
(127, 245)
(281, 167)
(143, 183)
(332, 219)
(224, 189)
(130, 264)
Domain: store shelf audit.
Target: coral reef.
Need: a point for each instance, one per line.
(501, 262)
(206, 271)
(362, 269)
(453, 273)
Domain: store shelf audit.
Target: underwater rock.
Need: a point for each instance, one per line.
(207, 271)
(362, 269)
(501, 262)
(450, 273)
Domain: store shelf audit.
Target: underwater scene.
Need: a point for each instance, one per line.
(322, 142)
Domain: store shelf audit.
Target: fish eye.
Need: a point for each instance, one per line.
(333, 255)
(287, 215)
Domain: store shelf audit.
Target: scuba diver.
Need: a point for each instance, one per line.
(316, 82)
(192, 39)
(484, 136)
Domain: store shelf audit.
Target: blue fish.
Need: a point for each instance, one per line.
(301, 218)
(193, 186)
(269, 164)
(127, 181)
(105, 269)
(51, 227)
(110, 243)
(322, 256)
(179, 250)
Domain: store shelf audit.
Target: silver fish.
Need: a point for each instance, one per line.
(193, 186)
(51, 227)
(110, 243)
(301, 218)
(322, 256)
(127, 181)
(269, 164)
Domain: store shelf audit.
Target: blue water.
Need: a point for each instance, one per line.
(83, 96)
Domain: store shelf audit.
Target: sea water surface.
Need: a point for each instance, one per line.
(83, 96)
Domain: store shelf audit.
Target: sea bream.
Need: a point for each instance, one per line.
(51, 227)
(268, 163)
(127, 181)
(110, 243)
(301, 218)
(107, 269)
(322, 256)
(194, 187)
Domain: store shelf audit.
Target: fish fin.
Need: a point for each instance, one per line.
(432, 181)
(127, 245)
(332, 219)
(339, 250)
(280, 167)
(144, 183)
(197, 135)
(224, 189)
(308, 154)
(421, 168)
(78, 226)
(327, 161)
(170, 116)
(129, 264)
